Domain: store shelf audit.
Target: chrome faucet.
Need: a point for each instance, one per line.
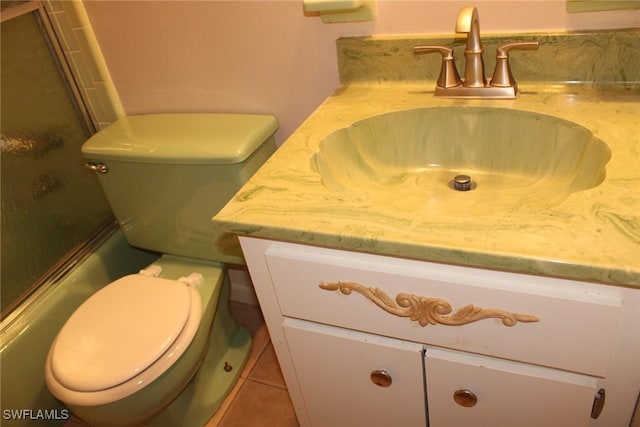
(501, 86)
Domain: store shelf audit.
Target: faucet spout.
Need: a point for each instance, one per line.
(468, 22)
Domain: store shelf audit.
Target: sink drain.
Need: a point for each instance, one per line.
(462, 183)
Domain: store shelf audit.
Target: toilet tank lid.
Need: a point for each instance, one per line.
(201, 138)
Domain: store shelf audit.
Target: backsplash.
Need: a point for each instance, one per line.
(599, 58)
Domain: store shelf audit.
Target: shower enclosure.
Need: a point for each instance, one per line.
(50, 203)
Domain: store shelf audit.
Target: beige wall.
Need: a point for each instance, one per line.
(267, 56)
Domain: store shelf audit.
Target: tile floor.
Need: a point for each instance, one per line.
(259, 398)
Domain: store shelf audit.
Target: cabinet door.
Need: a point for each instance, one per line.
(351, 379)
(471, 390)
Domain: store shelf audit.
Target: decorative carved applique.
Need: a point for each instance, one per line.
(426, 310)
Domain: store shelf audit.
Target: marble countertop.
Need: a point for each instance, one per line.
(593, 235)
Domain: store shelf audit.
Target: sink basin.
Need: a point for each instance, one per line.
(515, 159)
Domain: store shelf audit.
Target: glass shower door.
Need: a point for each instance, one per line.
(50, 202)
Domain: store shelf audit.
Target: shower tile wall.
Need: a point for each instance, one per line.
(84, 57)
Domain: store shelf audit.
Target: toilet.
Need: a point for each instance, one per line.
(159, 346)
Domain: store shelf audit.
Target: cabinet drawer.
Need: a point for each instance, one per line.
(551, 322)
(467, 390)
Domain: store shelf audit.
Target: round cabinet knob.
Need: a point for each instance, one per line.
(465, 398)
(381, 378)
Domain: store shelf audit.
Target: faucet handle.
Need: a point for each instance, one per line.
(502, 76)
(448, 72)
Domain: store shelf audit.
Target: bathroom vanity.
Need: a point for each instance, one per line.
(374, 340)
(390, 302)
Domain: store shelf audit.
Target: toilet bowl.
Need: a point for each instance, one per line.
(138, 384)
(155, 322)
(160, 347)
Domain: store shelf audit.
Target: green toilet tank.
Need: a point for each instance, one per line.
(166, 175)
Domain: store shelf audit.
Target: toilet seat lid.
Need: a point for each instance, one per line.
(120, 331)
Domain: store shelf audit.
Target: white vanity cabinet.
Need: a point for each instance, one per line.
(374, 340)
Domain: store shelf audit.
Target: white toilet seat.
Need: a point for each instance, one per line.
(122, 338)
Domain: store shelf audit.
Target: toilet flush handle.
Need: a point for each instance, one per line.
(98, 167)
